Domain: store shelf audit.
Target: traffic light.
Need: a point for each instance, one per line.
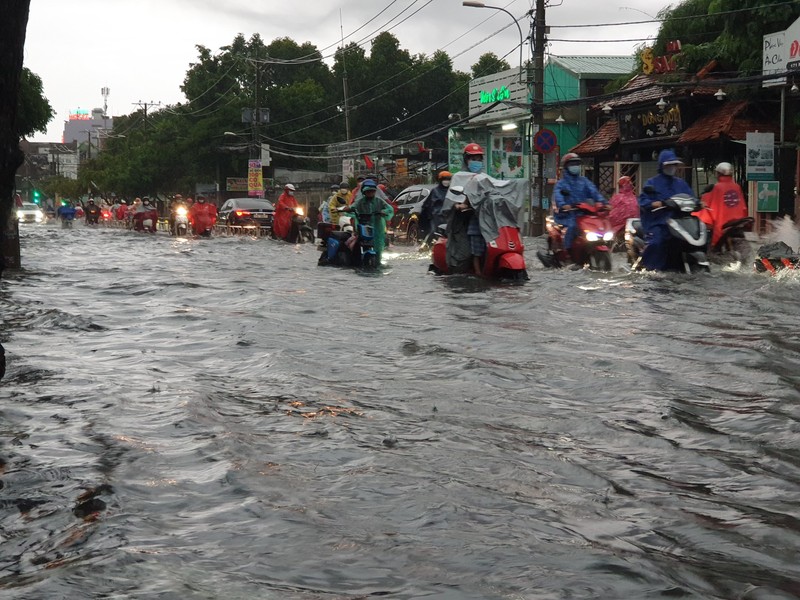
(36, 196)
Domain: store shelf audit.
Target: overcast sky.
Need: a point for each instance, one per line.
(141, 49)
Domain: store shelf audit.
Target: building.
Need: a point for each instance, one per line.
(83, 126)
(503, 128)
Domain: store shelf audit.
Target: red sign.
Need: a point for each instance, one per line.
(661, 64)
(545, 141)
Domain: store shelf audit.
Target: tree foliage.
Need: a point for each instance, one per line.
(392, 95)
(489, 64)
(728, 31)
(34, 111)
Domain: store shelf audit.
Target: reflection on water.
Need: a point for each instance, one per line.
(222, 418)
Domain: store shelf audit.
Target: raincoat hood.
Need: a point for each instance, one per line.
(664, 157)
(498, 202)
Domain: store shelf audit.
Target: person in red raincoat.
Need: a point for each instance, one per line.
(202, 216)
(624, 204)
(284, 211)
(724, 203)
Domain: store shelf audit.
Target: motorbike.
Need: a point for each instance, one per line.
(302, 226)
(180, 221)
(93, 215)
(105, 215)
(591, 246)
(346, 248)
(688, 236)
(771, 258)
(733, 239)
(145, 221)
(503, 260)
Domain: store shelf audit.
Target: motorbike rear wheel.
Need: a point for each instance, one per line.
(370, 261)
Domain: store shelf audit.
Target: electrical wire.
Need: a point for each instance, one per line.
(678, 18)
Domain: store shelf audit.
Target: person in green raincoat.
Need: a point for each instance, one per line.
(369, 201)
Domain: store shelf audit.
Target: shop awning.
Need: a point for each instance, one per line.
(600, 141)
(730, 121)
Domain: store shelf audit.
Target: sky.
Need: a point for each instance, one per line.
(141, 49)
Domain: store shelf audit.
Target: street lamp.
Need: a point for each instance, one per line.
(472, 4)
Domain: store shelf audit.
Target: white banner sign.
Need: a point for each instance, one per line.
(773, 57)
(760, 156)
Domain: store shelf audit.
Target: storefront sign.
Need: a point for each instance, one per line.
(647, 124)
(81, 114)
(760, 156)
(495, 95)
(348, 168)
(792, 46)
(255, 178)
(661, 64)
(773, 57)
(401, 167)
(236, 184)
(768, 196)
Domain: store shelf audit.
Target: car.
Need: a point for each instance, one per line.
(247, 212)
(30, 213)
(404, 226)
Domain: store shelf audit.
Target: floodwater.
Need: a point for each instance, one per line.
(187, 419)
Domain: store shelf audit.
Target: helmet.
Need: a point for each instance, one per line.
(472, 149)
(344, 186)
(201, 198)
(289, 187)
(569, 157)
(368, 184)
(624, 180)
(725, 168)
(444, 175)
(334, 187)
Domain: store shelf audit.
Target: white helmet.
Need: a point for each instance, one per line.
(725, 168)
(289, 187)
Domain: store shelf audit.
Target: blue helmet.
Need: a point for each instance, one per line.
(368, 184)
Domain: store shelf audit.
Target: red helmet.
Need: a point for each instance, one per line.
(624, 180)
(473, 149)
(569, 157)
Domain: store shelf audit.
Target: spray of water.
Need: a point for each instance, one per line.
(784, 230)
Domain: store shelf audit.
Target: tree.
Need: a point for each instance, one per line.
(489, 64)
(34, 110)
(13, 27)
(728, 31)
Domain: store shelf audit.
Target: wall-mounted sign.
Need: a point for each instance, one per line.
(760, 156)
(647, 124)
(495, 95)
(768, 196)
(81, 114)
(661, 64)
(236, 184)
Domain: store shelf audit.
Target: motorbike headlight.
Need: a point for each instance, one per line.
(299, 211)
(591, 236)
(628, 236)
(181, 212)
(608, 236)
(20, 214)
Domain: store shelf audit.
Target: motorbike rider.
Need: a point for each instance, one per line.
(144, 212)
(463, 227)
(202, 216)
(285, 209)
(380, 211)
(431, 213)
(324, 206)
(656, 190)
(724, 202)
(571, 190)
(339, 200)
(624, 204)
(92, 212)
(66, 212)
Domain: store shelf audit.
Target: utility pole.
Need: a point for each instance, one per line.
(537, 114)
(255, 148)
(344, 83)
(145, 106)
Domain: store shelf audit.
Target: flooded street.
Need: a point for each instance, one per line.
(241, 424)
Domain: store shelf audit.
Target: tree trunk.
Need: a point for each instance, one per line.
(12, 42)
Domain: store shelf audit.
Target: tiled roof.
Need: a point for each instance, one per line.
(646, 88)
(728, 119)
(601, 140)
(586, 66)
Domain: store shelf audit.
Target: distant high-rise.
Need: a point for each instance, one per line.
(82, 125)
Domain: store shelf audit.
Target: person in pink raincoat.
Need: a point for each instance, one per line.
(624, 204)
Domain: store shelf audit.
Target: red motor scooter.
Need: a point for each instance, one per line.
(592, 243)
(503, 260)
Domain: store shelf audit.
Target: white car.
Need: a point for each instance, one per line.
(30, 213)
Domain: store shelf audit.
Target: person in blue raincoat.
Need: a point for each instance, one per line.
(654, 222)
(571, 190)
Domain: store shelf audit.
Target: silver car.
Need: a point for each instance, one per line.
(30, 213)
